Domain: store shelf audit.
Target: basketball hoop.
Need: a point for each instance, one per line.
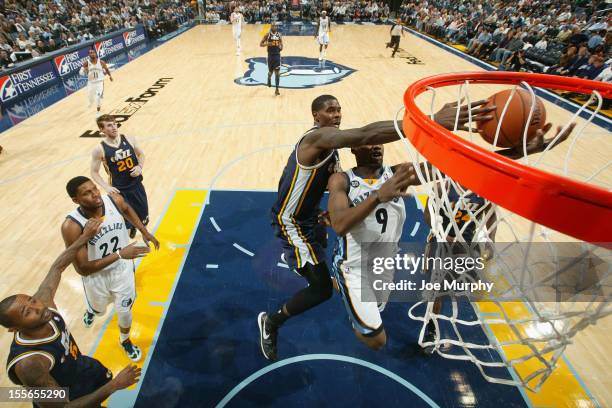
(531, 202)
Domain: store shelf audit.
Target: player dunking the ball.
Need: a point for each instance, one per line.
(95, 69)
(295, 214)
(322, 36)
(274, 42)
(43, 353)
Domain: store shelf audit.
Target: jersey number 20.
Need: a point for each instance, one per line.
(123, 165)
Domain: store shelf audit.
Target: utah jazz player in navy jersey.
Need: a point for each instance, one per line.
(43, 352)
(123, 161)
(468, 208)
(301, 187)
(274, 42)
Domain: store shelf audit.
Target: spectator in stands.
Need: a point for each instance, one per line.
(515, 62)
(483, 39)
(581, 57)
(596, 40)
(5, 61)
(564, 61)
(577, 37)
(592, 68)
(606, 74)
(564, 34)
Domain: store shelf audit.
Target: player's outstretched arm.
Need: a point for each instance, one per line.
(344, 217)
(97, 155)
(48, 287)
(34, 372)
(538, 144)
(132, 217)
(327, 138)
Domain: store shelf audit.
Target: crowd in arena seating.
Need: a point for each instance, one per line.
(560, 37)
(29, 29)
(267, 11)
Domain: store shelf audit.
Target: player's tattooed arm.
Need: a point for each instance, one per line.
(48, 287)
(132, 217)
(34, 372)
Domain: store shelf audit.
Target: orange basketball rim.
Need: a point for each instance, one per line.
(575, 208)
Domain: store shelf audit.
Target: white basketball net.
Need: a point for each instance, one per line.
(525, 338)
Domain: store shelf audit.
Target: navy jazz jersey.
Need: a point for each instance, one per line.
(471, 201)
(69, 368)
(118, 161)
(296, 210)
(274, 42)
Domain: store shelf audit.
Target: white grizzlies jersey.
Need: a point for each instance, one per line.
(384, 224)
(237, 21)
(112, 237)
(323, 25)
(95, 73)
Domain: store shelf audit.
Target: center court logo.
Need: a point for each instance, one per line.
(296, 72)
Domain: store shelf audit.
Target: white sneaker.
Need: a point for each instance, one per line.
(133, 351)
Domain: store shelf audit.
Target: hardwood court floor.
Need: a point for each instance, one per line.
(199, 123)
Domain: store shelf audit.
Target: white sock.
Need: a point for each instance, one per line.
(123, 336)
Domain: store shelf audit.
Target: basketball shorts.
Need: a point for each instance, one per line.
(364, 315)
(236, 33)
(115, 285)
(302, 244)
(395, 41)
(136, 197)
(274, 61)
(91, 375)
(323, 39)
(95, 92)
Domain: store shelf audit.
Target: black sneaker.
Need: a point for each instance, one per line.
(269, 82)
(133, 352)
(276, 93)
(429, 337)
(88, 319)
(267, 337)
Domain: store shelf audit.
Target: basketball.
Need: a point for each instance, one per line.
(515, 119)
